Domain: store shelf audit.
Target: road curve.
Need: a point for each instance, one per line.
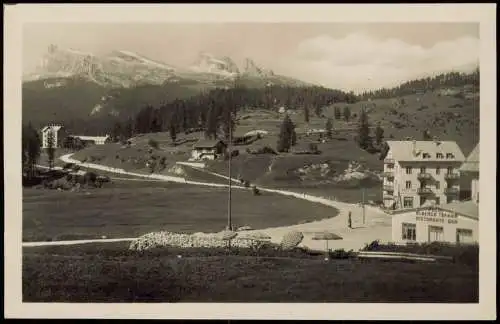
(341, 206)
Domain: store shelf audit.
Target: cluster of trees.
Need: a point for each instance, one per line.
(365, 140)
(287, 136)
(345, 113)
(215, 111)
(31, 149)
(451, 79)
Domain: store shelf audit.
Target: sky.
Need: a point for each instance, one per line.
(348, 56)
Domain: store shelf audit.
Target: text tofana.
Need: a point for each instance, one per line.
(436, 216)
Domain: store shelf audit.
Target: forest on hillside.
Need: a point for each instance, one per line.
(154, 109)
(451, 79)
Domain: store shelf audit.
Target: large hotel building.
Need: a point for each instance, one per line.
(420, 173)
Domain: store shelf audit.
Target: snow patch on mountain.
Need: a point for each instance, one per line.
(208, 63)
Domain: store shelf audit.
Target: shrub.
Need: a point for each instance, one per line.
(90, 177)
(153, 143)
(340, 254)
(291, 240)
(68, 166)
(256, 191)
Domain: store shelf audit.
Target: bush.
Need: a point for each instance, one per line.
(153, 143)
(68, 166)
(291, 240)
(340, 254)
(256, 191)
(90, 177)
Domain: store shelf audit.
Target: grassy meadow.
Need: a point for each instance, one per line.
(133, 208)
(111, 273)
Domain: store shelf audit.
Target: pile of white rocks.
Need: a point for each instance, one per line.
(196, 240)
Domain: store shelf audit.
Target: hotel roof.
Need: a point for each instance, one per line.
(409, 151)
(464, 208)
(471, 164)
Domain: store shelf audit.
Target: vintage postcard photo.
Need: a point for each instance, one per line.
(234, 157)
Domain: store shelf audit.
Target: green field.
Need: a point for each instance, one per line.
(133, 208)
(110, 273)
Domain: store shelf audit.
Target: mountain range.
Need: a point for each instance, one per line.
(125, 69)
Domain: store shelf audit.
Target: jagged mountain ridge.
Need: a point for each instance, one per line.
(121, 68)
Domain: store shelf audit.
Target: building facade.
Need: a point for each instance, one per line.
(58, 133)
(417, 173)
(456, 222)
(470, 171)
(207, 150)
(96, 140)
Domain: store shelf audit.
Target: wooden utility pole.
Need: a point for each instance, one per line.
(229, 225)
(363, 193)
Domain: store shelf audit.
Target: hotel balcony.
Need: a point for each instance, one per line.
(389, 188)
(387, 196)
(424, 176)
(451, 191)
(452, 176)
(389, 161)
(425, 191)
(388, 174)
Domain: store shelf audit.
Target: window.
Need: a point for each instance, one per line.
(438, 200)
(449, 170)
(438, 170)
(409, 231)
(439, 155)
(408, 202)
(450, 155)
(436, 233)
(408, 184)
(408, 170)
(426, 156)
(438, 185)
(464, 235)
(422, 170)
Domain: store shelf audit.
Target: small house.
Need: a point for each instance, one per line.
(305, 148)
(208, 149)
(96, 140)
(456, 222)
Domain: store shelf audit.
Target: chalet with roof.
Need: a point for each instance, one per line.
(208, 149)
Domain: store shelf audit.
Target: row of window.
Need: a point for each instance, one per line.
(408, 185)
(449, 170)
(408, 201)
(438, 155)
(435, 233)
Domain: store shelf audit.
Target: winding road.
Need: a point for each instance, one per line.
(352, 238)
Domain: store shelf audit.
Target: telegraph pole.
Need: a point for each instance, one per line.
(363, 193)
(229, 225)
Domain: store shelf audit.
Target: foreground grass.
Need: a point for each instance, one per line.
(134, 208)
(109, 273)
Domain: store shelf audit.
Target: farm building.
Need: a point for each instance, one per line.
(455, 222)
(305, 148)
(58, 132)
(96, 140)
(208, 150)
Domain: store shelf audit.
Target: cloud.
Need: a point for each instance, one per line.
(359, 61)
